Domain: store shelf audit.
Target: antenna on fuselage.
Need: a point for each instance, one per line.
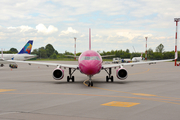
(89, 38)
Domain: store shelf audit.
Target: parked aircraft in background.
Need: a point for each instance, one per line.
(24, 54)
(138, 59)
(90, 64)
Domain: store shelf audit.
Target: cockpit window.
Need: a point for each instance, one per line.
(90, 58)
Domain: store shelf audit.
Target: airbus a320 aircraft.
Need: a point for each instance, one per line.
(90, 64)
(24, 54)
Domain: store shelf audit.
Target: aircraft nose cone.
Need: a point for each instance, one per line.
(90, 67)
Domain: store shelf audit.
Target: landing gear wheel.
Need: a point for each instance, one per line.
(68, 78)
(112, 78)
(107, 79)
(72, 78)
(109, 75)
(90, 84)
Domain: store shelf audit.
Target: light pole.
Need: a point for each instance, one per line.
(146, 49)
(176, 54)
(75, 49)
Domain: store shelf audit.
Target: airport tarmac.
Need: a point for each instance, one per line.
(151, 92)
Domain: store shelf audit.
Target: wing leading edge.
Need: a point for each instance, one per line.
(136, 63)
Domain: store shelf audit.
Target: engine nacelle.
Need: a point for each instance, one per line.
(58, 74)
(121, 73)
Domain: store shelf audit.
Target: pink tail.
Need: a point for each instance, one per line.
(89, 38)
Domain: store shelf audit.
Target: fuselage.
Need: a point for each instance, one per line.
(17, 56)
(90, 62)
(136, 59)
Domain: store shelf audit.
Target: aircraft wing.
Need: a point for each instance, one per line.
(47, 64)
(134, 63)
(72, 56)
(2, 61)
(107, 56)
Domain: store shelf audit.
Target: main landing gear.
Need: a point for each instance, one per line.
(70, 77)
(90, 84)
(109, 77)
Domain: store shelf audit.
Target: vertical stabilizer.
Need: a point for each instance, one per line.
(27, 48)
(89, 38)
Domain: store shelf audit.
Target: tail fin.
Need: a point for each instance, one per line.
(89, 38)
(27, 48)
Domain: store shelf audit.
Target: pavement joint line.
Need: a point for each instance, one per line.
(142, 98)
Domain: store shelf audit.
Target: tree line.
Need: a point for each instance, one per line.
(49, 52)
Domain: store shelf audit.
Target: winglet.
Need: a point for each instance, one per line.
(89, 38)
(27, 48)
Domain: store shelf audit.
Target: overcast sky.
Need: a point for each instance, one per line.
(115, 24)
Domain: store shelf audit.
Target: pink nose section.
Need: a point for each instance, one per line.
(90, 69)
(93, 68)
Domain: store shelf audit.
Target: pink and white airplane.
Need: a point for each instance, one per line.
(137, 59)
(90, 63)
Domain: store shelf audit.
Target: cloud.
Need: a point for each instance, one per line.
(68, 31)
(20, 28)
(42, 29)
(50, 40)
(25, 28)
(116, 24)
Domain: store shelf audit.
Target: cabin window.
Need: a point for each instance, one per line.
(90, 58)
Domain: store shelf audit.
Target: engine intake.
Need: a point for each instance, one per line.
(121, 73)
(58, 74)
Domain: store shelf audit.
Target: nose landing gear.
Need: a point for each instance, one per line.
(90, 84)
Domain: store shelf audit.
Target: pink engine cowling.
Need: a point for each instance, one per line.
(58, 74)
(121, 73)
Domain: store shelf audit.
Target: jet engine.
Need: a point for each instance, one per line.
(121, 73)
(58, 74)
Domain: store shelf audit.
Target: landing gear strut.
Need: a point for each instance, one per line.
(109, 77)
(70, 77)
(90, 84)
